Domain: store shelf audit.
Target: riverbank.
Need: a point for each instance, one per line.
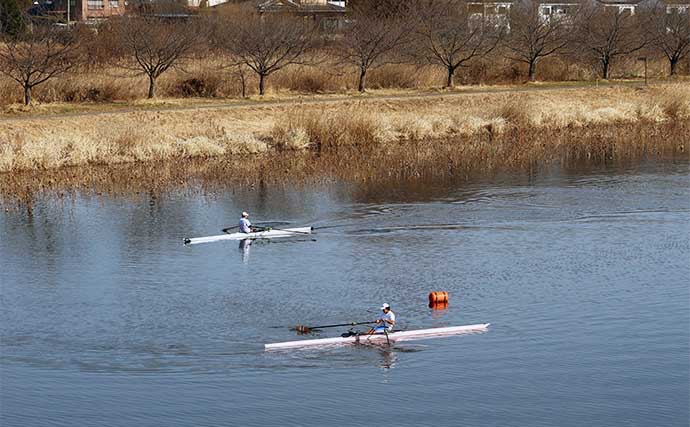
(536, 118)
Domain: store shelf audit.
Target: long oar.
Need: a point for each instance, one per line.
(254, 229)
(306, 329)
(259, 226)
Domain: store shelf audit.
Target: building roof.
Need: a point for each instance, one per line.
(568, 2)
(490, 1)
(614, 2)
(620, 2)
(299, 7)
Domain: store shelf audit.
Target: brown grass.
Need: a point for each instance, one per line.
(369, 167)
(345, 127)
(146, 136)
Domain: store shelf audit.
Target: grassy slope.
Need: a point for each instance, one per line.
(53, 137)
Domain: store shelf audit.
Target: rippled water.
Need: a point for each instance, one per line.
(107, 320)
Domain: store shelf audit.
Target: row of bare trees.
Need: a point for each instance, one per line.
(597, 34)
(441, 33)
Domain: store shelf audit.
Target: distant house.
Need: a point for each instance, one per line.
(490, 10)
(550, 9)
(679, 7)
(205, 3)
(623, 6)
(563, 9)
(329, 15)
(79, 10)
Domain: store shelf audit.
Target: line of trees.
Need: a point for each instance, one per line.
(439, 33)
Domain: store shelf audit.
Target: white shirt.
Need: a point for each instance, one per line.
(245, 226)
(388, 316)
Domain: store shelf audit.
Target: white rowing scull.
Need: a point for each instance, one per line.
(267, 234)
(418, 334)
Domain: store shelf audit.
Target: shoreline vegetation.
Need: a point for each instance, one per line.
(362, 138)
(45, 143)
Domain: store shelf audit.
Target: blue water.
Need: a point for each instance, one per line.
(107, 320)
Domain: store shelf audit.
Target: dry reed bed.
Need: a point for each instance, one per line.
(50, 143)
(368, 168)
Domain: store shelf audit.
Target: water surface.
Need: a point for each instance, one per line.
(107, 320)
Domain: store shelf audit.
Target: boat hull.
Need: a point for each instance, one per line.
(419, 334)
(269, 234)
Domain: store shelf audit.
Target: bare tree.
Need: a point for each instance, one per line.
(36, 56)
(371, 41)
(167, 8)
(603, 34)
(380, 8)
(669, 32)
(532, 36)
(152, 45)
(449, 36)
(266, 44)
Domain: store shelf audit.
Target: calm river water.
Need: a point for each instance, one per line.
(108, 320)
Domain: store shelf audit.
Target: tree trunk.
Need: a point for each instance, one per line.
(152, 87)
(605, 69)
(450, 82)
(262, 84)
(243, 80)
(532, 71)
(673, 62)
(27, 95)
(361, 86)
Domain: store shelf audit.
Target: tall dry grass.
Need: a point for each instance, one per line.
(346, 127)
(370, 168)
(145, 136)
(492, 115)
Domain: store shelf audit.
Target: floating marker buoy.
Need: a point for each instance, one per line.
(438, 297)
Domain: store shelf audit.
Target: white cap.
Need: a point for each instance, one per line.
(385, 306)
(245, 214)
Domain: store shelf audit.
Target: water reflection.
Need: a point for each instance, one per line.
(438, 310)
(417, 166)
(244, 249)
(388, 357)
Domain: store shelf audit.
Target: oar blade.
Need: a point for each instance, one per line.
(302, 329)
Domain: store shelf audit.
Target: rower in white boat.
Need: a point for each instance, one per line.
(245, 225)
(394, 337)
(385, 322)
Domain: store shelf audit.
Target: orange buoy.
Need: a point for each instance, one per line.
(438, 297)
